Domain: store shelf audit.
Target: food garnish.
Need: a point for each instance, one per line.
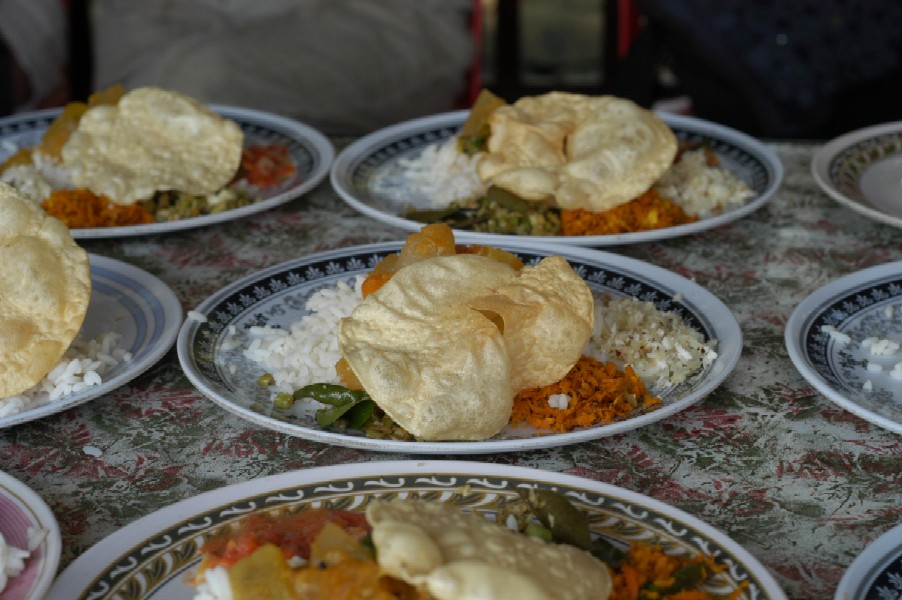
(80, 208)
(648, 211)
(592, 393)
(265, 166)
(45, 287)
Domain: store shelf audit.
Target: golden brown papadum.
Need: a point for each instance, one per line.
(447, 342)
(546, 311)
(153, 140)
(45, 287)
(581, 152)
(454, 554)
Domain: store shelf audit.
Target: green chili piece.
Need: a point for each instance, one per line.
(360, 413)
(328, 416)
(569, 525)
(607, 552)
(566, 522)
(330, 393)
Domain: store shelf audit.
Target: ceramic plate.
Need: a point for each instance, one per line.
(876, 574)
(128, 301)
(211, 353)
(368, 176)
(862, 170)
(311, 151)
(152, 556)
(20, 510)
(862, 305)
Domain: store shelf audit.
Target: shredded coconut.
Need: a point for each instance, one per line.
(661, 348)
(702, 190)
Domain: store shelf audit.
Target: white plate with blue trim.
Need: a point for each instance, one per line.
(862, 170)
(210, 347)
(310, 150)
(826, 337)
(368, 175)
(876, 573)
(128, 301)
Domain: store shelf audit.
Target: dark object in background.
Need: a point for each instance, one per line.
(7, 95)
(774, 68)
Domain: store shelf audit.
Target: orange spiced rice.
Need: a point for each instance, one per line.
(598, 393)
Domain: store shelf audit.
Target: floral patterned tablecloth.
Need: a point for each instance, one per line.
(799, 482)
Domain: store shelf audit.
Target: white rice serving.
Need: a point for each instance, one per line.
(83, 365)
(307, 351)
(37, 180)
(439, 175)
(12, 561)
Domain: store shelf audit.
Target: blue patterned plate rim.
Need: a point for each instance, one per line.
(864, 294)
(763, 167)
(876, 573)
(833, 155)
(243, 303)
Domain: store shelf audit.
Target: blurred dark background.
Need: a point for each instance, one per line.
(773, 68)
(802, 69)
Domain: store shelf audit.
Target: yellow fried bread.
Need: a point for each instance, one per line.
(580, 152)
(444, 346)
(152, 140)
(45, 287)
(455, 555)
(545, 311)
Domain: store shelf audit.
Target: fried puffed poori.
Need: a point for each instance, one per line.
(45, 287)
(579, 152)
(458, 555)
(153, 140)
(444, 346)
